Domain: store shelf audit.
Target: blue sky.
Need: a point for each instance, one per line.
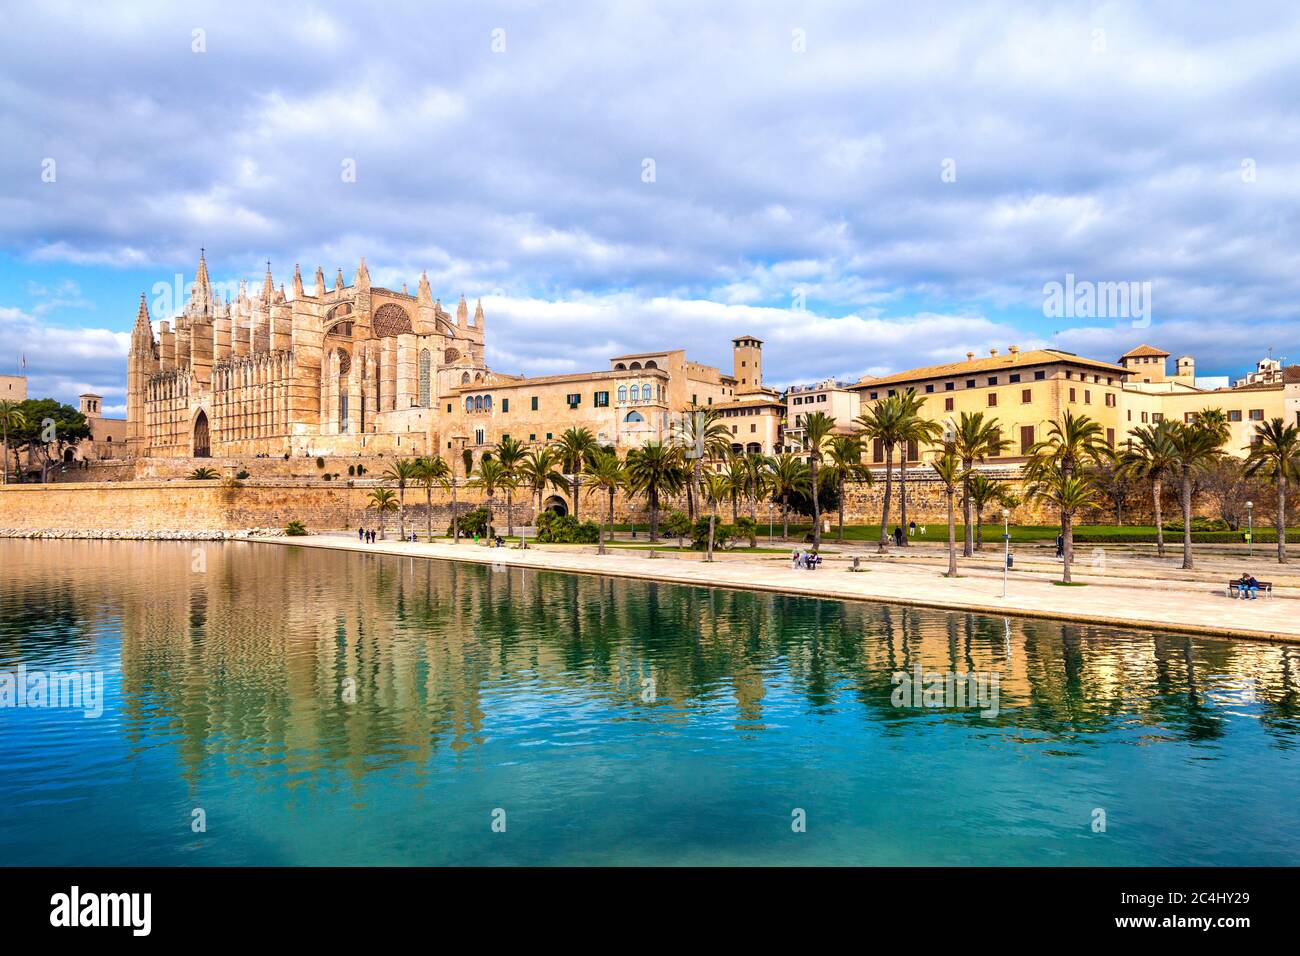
(912, 175)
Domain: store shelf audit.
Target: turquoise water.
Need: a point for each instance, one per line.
(329, 708)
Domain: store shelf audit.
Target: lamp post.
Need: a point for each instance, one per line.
(1250, 528)
(1006, 548)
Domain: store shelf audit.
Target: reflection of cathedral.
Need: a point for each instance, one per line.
(327, 372)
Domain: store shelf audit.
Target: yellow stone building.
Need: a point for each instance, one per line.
(1026, 391)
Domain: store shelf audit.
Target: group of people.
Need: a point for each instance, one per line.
(366, 535)
(1247, 587)
(807, 560)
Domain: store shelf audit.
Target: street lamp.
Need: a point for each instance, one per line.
(1006, 548)
(1250, 528)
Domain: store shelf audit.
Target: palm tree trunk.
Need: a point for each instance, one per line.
(401, 509)
(455, 528)
(712, 514)
(576, 480)
(1068, 535)
(510, 512)
(654, 515)
(1281, 519)
(735, 509)
(902, 496)
(428, 511)
(785, 517)
(889, 487)
(1157, 486)
(952, 534)
(611, 513)
(1187, 518)
(979, 529)
(968, 538)
(840, 536)
(817, 516)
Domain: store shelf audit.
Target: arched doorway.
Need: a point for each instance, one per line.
(202, 443)
(557, 505)
(69, 456)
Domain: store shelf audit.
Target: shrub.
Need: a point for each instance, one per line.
(677, 525)
(320, 462)
(1199, 523)
(327, 476)
(241, 475)
(474, 521)
(722, 534)
(747, 528)
(352, 470)
(565, 529)
(295, 529)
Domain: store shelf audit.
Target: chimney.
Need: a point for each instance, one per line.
(993, 353)
(1015, 352)
(970, 356)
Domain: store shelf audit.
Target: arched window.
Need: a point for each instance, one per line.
(487, 402)
(645, 393)
(426, 371)
(635, 365)
(478, 403)
(622, 393)
(652, 364)
(634, 416)
(620, 367)
(469, 403)
(464, 379)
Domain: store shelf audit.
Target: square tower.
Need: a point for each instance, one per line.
(747, 363)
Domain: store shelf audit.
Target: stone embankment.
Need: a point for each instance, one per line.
(162, 535)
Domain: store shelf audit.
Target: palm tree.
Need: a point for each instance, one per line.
(402, 472)
(787, 476)
(1196, 447)
(1070, 494)
(756, 470)
(491, 477)
(539, 470)
(654, 470)
(1151, 455)
(467, 459)
(202, 474)
(884, 423)
(736, 476)
(1275, 454)
(511, 455)
(715, 491)
(383, 502)
(816, 432)
(947, 468)
(11, 419)
(429, 471)
(575, 446)
(974, 439)
(844, 464)
(984, 491)
(1072, 441)
(607, 474)
(701, 435)
(913, 430)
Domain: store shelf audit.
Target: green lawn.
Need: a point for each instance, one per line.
(1083, 534)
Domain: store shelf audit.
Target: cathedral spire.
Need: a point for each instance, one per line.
(320, 282)
(338, 281)
(423, 294)
(478, 314)
(462, 312)
(268, 286)
(362, 280)
(297, 282)
(142, 334)
(201, 276)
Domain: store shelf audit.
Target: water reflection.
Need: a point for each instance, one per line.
(290, 667)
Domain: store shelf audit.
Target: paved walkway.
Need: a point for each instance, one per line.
(1197, 608)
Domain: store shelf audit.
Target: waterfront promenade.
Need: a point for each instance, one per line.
(1131, 593)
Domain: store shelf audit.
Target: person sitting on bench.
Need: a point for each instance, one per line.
(1247, 586)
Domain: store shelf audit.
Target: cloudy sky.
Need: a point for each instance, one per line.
(865, 187)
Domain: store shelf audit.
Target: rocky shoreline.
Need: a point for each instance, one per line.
(112, 535)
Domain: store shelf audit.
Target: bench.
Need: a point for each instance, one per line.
(1235, 586)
